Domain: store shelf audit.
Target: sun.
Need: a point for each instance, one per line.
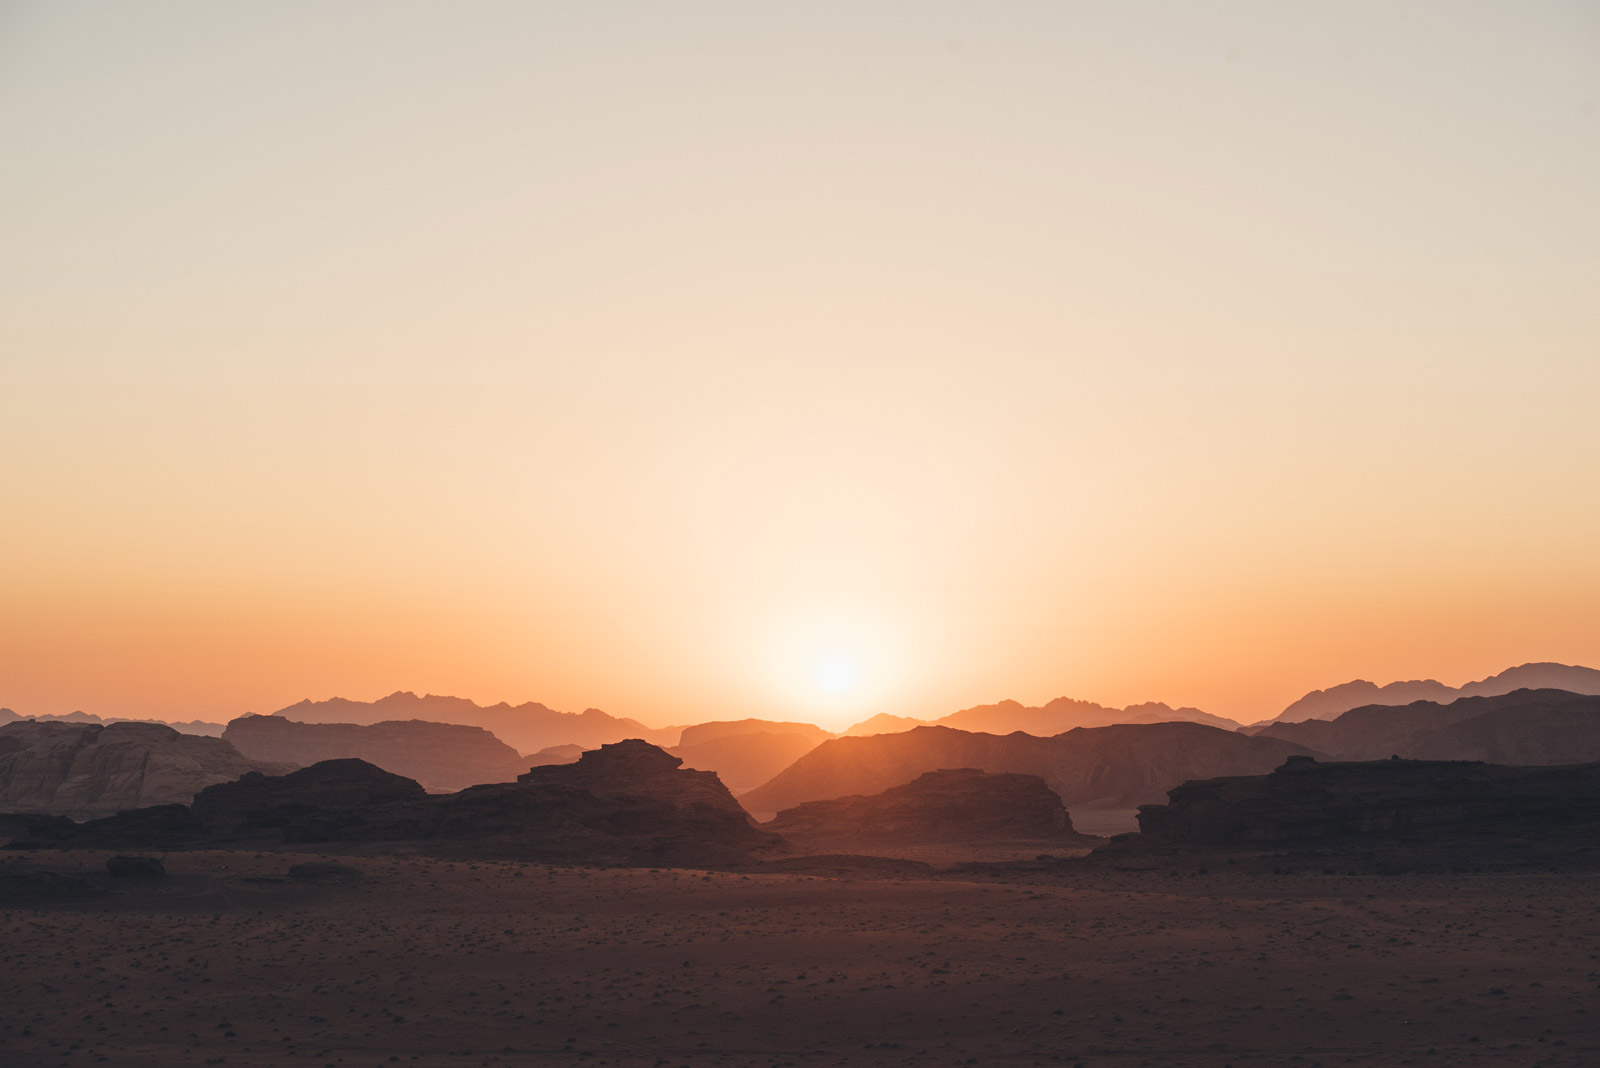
(835, 674)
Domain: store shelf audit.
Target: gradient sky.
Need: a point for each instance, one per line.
(649, 356)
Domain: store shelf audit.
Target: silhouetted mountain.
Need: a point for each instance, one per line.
(443, 757)
(1305, 801)
(627, 802)
(527, 727)
(960, 805)
(884, 723)
(1336, 700)
(1522, 727)
(555, 754)
(745, 761)
(1104, 767)
(91, 770)
(193, 726)
(1062, 714)
(701, 733)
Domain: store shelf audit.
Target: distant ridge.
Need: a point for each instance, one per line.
(528, 727)
(1524, 727)
(1337, 700)
(201, 727)
(1061, 714)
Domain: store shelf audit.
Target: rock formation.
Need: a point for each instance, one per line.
(701, 733)
(527, 727)
(627, 802)
(960, 805)
(87, 770)
(443, 757)
(1095, 767)
(1306, 801)
(1523, 727)
(316, 803)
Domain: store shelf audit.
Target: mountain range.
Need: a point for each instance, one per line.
(1118, 766)
(1336, 700)
(1061, 714)
(1522, 727)
(527, 727)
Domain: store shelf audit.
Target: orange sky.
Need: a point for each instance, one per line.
(605, 358)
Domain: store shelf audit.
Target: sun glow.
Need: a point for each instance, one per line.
(835, 674)
(835, 664)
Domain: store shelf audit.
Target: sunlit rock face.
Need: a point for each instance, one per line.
(1306, 801)
(950, 805)
(89, 770)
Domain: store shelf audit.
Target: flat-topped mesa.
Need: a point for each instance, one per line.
(948, 805)
(1305, 800)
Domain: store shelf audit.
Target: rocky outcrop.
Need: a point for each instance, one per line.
(1524, 727)
(193, 726)
(1306, 801)
(960, 805)
(1095, 767)
(527, 727)
(627, 802)
(88, 770)
(443, 757)
(1337, 700)
(318, 802)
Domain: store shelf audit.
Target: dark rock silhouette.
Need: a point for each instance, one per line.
(959, 805)
(626, 802)
(1306, 801)
(1098, 767)
(1523, 727)
(443, 757)
(88, 770)
(123, 866)
(1336, 700)
(527, 727)
(316, 803)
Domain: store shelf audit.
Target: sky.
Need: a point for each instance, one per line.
(707, 360)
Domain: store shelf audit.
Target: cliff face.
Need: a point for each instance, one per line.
(443, 757)
(88, 770)
(1306, 801)
(1093, 767)
(960, 805)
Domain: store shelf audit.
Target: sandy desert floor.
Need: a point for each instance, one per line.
(432, 962)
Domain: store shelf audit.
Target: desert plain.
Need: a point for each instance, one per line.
(435, 962)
